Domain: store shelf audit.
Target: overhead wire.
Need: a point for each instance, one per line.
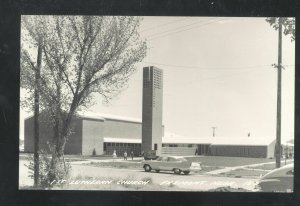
(177, 28)
(179, 31)
(158, 26)
(209, 68)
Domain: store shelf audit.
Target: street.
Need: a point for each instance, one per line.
(139, 179)
(193, 181)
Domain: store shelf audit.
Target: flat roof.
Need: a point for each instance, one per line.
(102, 116)
(122, 140)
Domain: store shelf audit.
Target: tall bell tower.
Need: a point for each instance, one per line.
(152, 130)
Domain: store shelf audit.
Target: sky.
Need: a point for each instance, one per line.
(217, 73)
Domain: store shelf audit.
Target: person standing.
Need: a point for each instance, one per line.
(125, 155)
(114, 154)
(131, 154)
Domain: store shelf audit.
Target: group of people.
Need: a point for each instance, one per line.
(125, 155)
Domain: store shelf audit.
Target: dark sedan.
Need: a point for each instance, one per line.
(278, 180)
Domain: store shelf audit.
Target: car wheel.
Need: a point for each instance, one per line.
(186, 172)
(177, 171)
(147, 168)
(156, 170)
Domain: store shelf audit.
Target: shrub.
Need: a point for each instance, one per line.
(94, 152)
(49, 171)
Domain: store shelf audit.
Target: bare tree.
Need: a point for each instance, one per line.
(82, 56)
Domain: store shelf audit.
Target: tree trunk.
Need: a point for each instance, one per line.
(36, 118)
(278, 123)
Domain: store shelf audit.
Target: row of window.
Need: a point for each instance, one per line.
(109, 148)
(122, 144)
(178, 145)
(146, 84)
(157, 81)
(157, 85)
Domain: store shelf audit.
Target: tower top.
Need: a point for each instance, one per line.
(151, 68)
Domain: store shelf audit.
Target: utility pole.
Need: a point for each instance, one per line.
(36, 115)
(214, 128)
(278, 124)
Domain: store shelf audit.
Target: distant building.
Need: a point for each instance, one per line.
(152, 109)
(101, 132)
(219, 146)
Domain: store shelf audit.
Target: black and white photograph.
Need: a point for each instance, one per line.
(157, 103)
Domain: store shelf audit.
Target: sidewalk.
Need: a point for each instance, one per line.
(227, 169)
(88, 161)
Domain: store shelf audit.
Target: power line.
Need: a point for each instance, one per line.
(209, 68)
(171, 22)
(185, 30)
(174, 29)
(201, 80)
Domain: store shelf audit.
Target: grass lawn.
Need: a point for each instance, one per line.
(268, 166)
(207, 168)
(25, 156)
(209, 163)
(227, 161)
(244, 173)
(100, 157)
(139, 165)
(122, 165)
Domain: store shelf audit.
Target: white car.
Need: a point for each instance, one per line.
(171, 163)
(278, 180)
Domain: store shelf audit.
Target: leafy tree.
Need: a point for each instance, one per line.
(288, 25)
(82, 56)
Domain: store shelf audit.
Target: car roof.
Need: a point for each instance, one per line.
(279, 172)
(175, 157)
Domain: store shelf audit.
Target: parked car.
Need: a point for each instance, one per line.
(278, 180)
(150, 155)
(171, 163)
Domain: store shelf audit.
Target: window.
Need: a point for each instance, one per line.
(171, 159)
(155, 146)
(162, 159)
